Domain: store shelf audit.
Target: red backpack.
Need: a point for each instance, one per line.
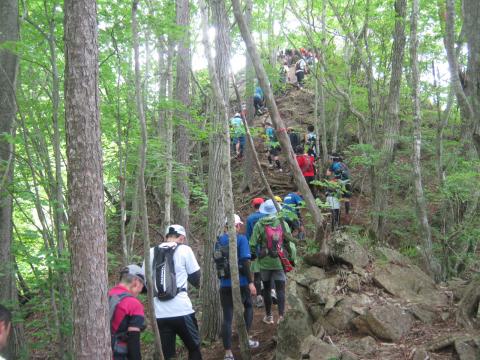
(274, 246)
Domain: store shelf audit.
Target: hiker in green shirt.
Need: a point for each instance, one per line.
(269, 243)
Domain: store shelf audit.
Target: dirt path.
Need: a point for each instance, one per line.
(260, 331)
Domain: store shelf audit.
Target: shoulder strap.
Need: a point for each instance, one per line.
(114, 300)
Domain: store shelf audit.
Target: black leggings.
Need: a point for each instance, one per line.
(184, 326)
(257, 280)
(267, 295)
(227, 306)
(335, 218)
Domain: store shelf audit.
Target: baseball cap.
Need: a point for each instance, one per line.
(257, 201)
(268, 207)
(238, 220)
(136, 271)
(175, 230)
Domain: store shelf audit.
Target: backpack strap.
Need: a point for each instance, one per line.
(113, 302)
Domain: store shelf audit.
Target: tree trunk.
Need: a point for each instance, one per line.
(281, 130)
(336, 126)
(391, 123)
(247, 182)
(224, 138)
(87, 232)
(430, 260)
(169, 141)
(467, 313)
(181, 211)
(212, 319)
(141, 180)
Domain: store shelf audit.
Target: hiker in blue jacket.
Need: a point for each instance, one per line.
(339, 170)
(258, 100)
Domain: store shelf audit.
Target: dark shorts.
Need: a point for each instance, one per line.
(274, 150)
(240, 139)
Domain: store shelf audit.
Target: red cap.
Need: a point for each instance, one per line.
(257, 201)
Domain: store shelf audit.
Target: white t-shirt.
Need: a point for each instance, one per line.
(185, 264)
(333, 202)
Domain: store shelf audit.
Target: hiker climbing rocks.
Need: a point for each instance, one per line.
(300, 71)
(294, 137)
(251, 221)
(311, 141)
(292, 204)
(127, 316)
(238, 134)
(306, 163)
(273, 147)
(247, 287)
(340, 171)
(258, 100)
(333, 194)
(269, 243)
(5, 327)
(173, 265)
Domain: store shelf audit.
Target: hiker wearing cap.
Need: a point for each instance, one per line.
(268, 243)
(311, 141)
(250, 224)
(294, 137)
(273, 146)
(247, 287)
(238, 134)
(339, 170)
(258, 100)
(127, 317)
(292, 202)
(174, 313)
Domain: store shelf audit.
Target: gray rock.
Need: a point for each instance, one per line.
(341, 316)
(296, 296)
(423, 313)
(320, 290)
(292, 331)
(309, 275)
(421, 354)
(315, 349)
(348, 355)
(387, 322)
(364, 346)
(345, 247)
(458, 287)
(467, 350)
(395, 274)
(354, 282)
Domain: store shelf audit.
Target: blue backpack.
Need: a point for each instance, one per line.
(341, 171)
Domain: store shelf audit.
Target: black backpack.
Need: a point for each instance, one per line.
(221, 256)
(119, 346)
(163, 273)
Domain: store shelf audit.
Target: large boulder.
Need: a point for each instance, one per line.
(344, 247)
(306, 276)
(292, 331)
(314, 348)
(386, 322)
(399, 277)
(321, 290)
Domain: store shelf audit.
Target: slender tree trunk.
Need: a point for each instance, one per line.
(224, 139)
(169, 141)
(141, 180)
(336, 126)
(247, 182)
(281, 130)
(87, 232)
(181, 211)
(391, 123)
(430, 260)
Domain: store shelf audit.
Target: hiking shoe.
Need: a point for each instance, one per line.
(280, 319)
(268, 319)
(253, 344)
(228, 357)
(259, 301)
(274, 297)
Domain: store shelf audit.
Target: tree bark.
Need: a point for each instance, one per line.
(141, 180)
(181, 211)
(391, 124)
(212, 319)
(430, 260)
(87, 232)
(281, 130)
(224, 138)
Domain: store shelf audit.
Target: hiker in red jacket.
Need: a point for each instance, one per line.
(307, 166)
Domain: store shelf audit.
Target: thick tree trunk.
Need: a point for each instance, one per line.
(391, 124)
(224, 139)
(168, 120)
(141, 180)
(430, 260)
(212, 318)
(182, 89)
(87, 232)
(281, 130)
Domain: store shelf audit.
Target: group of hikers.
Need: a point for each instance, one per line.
(265, 253)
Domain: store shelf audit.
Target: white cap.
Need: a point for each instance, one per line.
(238, 220)
(135, 270)
(175, 230)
